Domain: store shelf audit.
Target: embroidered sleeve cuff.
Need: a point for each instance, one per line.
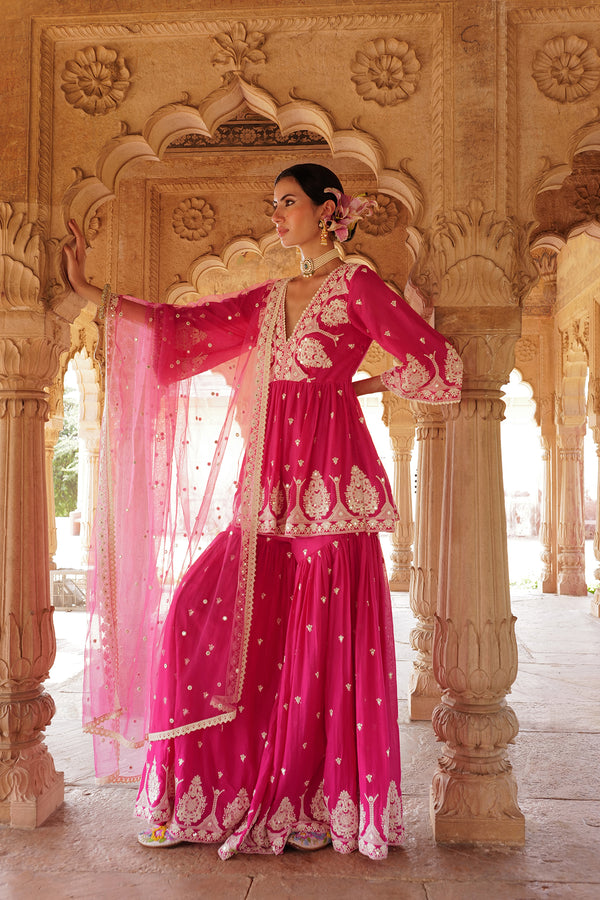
(415, 381)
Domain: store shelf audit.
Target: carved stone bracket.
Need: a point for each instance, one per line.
(471, 258)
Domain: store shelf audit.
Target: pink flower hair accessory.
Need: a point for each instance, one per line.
(348, 212)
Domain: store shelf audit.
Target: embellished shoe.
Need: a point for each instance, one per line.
(158, 836)
(309, 840)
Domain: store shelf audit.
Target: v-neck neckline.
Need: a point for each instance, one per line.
(304, 312)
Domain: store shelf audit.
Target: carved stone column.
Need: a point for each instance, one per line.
(595, 605)
(399, 420)
(571, 528)
(90, 413)
(31, 338)
(596, 433)
(89, 450)
(423, 690)
(52, 430)
(594, 423)
(547, 536)
(477, 268)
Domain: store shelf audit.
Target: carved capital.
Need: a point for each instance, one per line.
(472, 258)
(486, 340)
(485, 408)
(27, 650)
(20, 259)
(402, 444)
(28, 363)
(475, 663)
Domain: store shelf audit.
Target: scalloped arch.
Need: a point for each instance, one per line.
(86, 195)
(239, 246)
(553, 178)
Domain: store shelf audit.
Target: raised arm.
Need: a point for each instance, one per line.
(74, 261)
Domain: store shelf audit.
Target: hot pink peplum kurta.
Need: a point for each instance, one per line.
(274, 703)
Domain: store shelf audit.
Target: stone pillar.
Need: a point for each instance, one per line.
(423, 690)
(31, 338)
(53, 428)
(400, 422)
(90, 414)
(595, 605)
(547, 536)
(477, 268)
(89, 450)
(571, 528)
(51, 433)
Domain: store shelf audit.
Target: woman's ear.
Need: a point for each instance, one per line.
(328, 209)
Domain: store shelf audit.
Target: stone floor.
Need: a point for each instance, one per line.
(88, 847)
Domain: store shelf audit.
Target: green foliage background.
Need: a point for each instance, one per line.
(66, 456)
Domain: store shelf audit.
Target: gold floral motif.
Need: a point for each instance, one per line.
(384, 218)
(386, 70)
(193, 219)
(95, 81)
(235, 810)
(392, 815)
(277, 499)
(453, 367)
(192, 804)
(335, 313)
(283, 817)
(317, 498)
(311, 354)
(361, 494)
(318, 806)
(344, 819)
(567, 69)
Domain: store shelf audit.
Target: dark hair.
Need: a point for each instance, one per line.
(314, 181)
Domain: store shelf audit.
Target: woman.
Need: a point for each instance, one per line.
(272, 717)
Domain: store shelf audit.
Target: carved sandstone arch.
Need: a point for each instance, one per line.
(88, 193)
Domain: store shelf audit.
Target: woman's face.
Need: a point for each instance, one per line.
(295, 215)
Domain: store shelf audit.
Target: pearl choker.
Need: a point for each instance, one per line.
(309, 266)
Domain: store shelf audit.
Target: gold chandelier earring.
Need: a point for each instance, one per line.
(323, 230)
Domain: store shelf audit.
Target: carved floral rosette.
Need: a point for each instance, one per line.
(384, 217)
(567, 69)
(96, 80)
(386, 70)
(193, 219)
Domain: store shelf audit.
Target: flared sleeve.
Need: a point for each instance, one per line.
(191, 339)
(428, 367)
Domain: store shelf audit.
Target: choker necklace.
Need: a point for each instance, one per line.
(309, 266)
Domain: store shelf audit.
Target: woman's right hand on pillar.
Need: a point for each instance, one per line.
(74, 261)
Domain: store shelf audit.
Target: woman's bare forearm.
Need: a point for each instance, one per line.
(368, 386)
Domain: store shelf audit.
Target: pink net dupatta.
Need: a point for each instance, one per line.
(170, 457)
